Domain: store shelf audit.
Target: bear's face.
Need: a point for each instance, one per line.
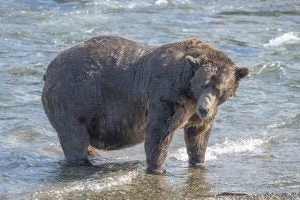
(215, 80)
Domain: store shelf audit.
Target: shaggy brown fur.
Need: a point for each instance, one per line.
(112, 93)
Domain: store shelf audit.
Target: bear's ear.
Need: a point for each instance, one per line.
(194, 62)
(241, 73)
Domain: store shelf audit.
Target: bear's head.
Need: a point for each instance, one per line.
(216, 79)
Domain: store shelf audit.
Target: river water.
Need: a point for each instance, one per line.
(255, 144)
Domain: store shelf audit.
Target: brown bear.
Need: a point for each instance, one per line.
(111, 93)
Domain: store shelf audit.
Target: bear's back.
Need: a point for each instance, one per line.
(84, 67)
(98, 53)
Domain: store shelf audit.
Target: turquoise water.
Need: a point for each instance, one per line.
(255, 144)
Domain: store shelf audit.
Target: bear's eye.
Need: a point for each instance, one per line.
(216, 90)
(222, 99)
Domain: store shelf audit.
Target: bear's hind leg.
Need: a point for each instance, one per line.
(74, 140)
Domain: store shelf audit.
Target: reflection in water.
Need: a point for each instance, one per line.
(75, 181)
(67, 172)
(126, 180)
(197, 184)
(191, 185)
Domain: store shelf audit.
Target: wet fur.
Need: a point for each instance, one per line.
(112, 93)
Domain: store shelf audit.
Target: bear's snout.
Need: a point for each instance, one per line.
(202, 112)
(205, 105)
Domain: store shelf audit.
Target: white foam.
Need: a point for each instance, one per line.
(227, 147)
(286, 38)
(131, 5)
(160, 2)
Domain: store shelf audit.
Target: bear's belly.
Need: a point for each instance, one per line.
(119, 131)
(118, 139)
(121, 122)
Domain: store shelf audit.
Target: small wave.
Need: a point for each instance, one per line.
(160, 2)
(287, 38)
(22, 96)
(35, 70)
(293, 122)
(24, 72)
(225, 148)
(95, 185)
(275, 69)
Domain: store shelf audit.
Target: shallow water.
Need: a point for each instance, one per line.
(255, 144)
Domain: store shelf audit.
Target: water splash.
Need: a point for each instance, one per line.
(225, 148)
(287, 38)
(271, 69)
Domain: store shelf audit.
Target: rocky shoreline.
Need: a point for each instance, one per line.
(271, 196)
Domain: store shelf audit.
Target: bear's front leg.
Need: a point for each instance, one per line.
(196, 139)
(163, 120)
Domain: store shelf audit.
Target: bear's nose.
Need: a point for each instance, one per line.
(203, 111)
